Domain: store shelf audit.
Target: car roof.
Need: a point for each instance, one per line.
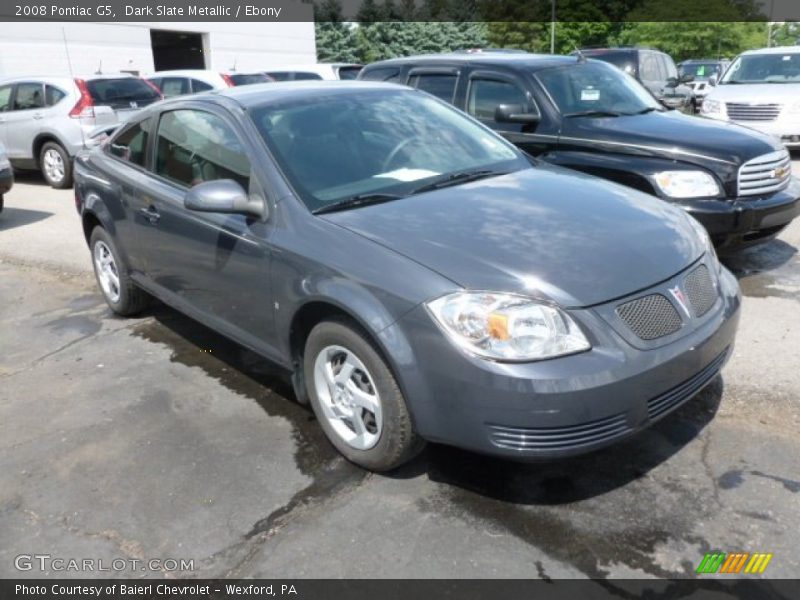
(775, 50)
(514, 60)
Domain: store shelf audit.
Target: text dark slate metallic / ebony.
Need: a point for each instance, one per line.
(419, 276)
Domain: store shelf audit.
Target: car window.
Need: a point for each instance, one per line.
(131, 144)
(201, 86)
(29, 95)
(441, 85)
(280, 75)
(765, 68)
(305, 76)
(670, 70)
(125, 92)
(649, 69)
(249, 78)
(53, 95)
(194, 146)
(346, 73)
(389, 74)
(486, 94)
(174, 86)
(5, 97)
(332, 146)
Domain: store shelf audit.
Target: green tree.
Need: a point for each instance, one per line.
(336, 40)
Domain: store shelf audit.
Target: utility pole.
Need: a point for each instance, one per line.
(552, 26)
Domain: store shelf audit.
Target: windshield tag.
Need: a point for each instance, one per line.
(590, 95)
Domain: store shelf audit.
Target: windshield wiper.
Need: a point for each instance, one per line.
(594, 113)
(457, 178)
(646, 110)
(356, 201)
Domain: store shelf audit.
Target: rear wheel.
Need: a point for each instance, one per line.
(56, 165)
(119, 291)
(356, 398)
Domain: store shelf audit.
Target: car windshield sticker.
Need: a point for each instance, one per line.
(590, 95)
(701, 70)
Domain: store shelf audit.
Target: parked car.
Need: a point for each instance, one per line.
(705, 72)
(326, 71)
(761, 89)
(6, 175)
(193, 81)
(583, 114)
(419, 276)
(45, 121)
(655, 70)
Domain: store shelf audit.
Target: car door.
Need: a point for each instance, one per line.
(23, 121)
(5, 106)
(487, 89)
(214, 265)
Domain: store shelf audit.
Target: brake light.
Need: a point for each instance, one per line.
(85, 104)
(155, 88)
(227, 79)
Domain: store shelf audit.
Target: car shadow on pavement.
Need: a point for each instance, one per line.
(569, 480)
(30, 178)
(17, 217)
(758, 259)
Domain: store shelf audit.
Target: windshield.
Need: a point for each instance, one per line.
(595, 88)
(125, 92)
(764, 68)
(335, 146)
(701, 70)
(625, 61)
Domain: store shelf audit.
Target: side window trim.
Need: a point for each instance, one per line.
(436, 70)
(148, 155)
(505, 78)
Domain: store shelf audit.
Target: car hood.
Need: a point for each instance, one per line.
(757, 92)
(545, 232)
(673, 135)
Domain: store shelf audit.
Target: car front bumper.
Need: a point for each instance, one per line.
(740, 222)
(786, 128)
(562, 406)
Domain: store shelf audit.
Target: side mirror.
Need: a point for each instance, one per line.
(713, 79)
(223, 196)
(686, 78)
(514, 113)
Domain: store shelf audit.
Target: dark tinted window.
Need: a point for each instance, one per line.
(441, 85)
(5, 97)
(174, 86)
(301, 76)
(349, 72)
(53, 95)
(200, 86)
(122, 92)
(29, 95)
(390, 74)
(195, 146)
(281, 75)
(486, 94)
(701, 70)
(247, 79)
(131, 144)
(621, 59)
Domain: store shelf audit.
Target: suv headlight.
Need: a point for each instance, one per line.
(711, 106)
(506, 326)
(686, 184)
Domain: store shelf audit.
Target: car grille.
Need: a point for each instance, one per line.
(701, 290)
(559, 438)
(660, 405)
(650, 317)
(752, 112)
(764, 174)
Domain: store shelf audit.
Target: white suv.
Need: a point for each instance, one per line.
(46, 121)
(325, 71)
(761, 89)
(193, 81)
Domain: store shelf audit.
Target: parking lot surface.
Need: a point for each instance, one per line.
(154, 437)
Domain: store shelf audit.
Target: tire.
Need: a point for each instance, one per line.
(123, 296)
(56, 166)
(390, 439)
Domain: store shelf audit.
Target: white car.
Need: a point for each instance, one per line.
(325, 71)
(761, 89)
(193, 81)
(46, 121)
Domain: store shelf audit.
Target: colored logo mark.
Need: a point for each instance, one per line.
(734, 562)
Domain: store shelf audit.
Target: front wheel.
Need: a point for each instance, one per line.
(119, 291)
(56, 166)
(356, 398)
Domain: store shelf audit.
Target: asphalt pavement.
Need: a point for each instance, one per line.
(155, 438)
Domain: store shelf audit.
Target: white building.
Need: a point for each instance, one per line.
(51, 48)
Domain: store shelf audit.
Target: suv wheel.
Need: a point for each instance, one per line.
(119, 291)
(356, 398)
(56, 165)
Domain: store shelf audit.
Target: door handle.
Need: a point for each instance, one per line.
(150, 213)
(38, 116)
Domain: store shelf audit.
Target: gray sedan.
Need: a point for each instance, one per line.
(418, 276)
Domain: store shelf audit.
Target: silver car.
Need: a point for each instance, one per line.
(46, 121)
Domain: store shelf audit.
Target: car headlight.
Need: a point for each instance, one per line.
(687, 184)
(712, 106)
(506, 326)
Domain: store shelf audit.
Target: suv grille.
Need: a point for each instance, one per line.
(650, 317)
(701, 291)
(766, 173)
(752, 112)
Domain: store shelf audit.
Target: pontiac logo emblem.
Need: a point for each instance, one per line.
(680, 299)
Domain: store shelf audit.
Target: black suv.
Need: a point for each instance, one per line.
(655, 70)
(587, 115)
